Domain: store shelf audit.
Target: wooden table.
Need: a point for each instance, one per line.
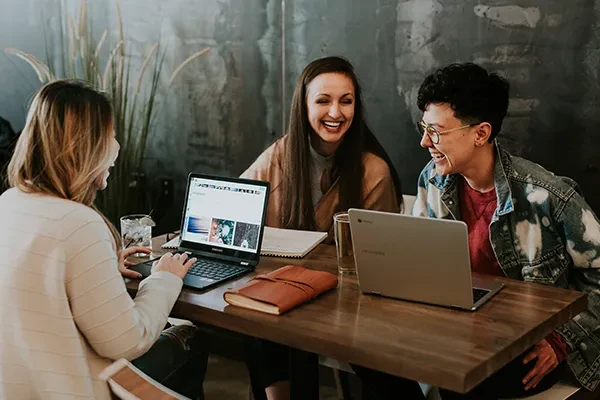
(444, 347)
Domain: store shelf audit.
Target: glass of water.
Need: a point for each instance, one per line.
(136, 230)
(343, 244)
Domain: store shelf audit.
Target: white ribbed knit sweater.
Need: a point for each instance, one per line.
(64, 309)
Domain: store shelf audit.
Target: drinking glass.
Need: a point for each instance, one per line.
(136, 230)
(343, 244)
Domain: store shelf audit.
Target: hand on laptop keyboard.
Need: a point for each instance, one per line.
(177, 264)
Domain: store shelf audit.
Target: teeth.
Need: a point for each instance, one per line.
(332, 124)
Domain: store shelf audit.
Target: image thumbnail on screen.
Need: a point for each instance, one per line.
(199, 226)
(221, 231)
(246, 235)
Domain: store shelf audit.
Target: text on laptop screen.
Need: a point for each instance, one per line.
(224, 214)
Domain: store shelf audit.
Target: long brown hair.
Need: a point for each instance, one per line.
(65, 145)
(347, 166)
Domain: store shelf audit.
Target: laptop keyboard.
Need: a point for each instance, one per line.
(478, 294)
(214, 270)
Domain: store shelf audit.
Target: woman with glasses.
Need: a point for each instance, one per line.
(66, 313)
(328, 161)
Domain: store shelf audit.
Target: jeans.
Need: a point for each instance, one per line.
(177, 360)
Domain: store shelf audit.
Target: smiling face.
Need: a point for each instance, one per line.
(456, 151)
(330, 109)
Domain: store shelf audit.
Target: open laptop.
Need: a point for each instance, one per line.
(415, 258)
(222, 225)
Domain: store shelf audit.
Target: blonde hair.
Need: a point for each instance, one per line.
(65, 146)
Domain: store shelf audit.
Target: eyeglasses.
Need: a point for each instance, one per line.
(434, 134)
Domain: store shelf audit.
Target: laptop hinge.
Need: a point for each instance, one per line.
(219, 257)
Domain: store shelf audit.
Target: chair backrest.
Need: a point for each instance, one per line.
(408, 200)
(129, 383)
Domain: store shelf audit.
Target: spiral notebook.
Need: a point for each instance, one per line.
(279, 242)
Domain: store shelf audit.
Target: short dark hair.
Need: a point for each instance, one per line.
(474, 94)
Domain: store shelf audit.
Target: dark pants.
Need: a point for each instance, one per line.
(177, 360)
(507, 382)
(268, 363)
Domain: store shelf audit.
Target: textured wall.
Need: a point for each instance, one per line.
(229, 105)
(19, 28)
(547, 49)
(220, 111)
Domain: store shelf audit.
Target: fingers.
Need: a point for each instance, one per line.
(534, 382)
(181, 257)
(546, 362)
(132, 250)
(531, 355)
(178, 264)
(533, 372)
(542, 371)
(537, 352)
(129, 273)
(189, 263)
(128, 263)
(542, 360)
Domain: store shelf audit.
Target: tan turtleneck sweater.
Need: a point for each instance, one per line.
(378, 187)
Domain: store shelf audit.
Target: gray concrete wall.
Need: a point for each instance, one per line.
(229, 105)
(19, 28)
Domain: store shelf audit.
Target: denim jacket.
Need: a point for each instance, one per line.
(542, 231)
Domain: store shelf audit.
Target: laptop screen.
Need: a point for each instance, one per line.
(224, 214)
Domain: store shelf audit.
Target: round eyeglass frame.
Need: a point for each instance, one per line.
(434, 134)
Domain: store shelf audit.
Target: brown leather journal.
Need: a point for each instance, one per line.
(281, 290)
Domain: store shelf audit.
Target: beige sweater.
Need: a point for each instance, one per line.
(378, 188)
(64, 309)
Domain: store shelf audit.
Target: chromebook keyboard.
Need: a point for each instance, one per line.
(478, 294)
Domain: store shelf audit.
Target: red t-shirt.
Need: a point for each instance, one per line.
(477, 210)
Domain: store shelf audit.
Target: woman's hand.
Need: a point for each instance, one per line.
(124, 264)
(177, 264)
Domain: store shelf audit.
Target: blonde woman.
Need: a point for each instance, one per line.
(64, 309)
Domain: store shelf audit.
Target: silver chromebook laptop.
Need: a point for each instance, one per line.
(418, 259)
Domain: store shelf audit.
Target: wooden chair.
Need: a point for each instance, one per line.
(340, 374)
(562, 390)
(129, 383)
(565, 389)
(408, 200)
